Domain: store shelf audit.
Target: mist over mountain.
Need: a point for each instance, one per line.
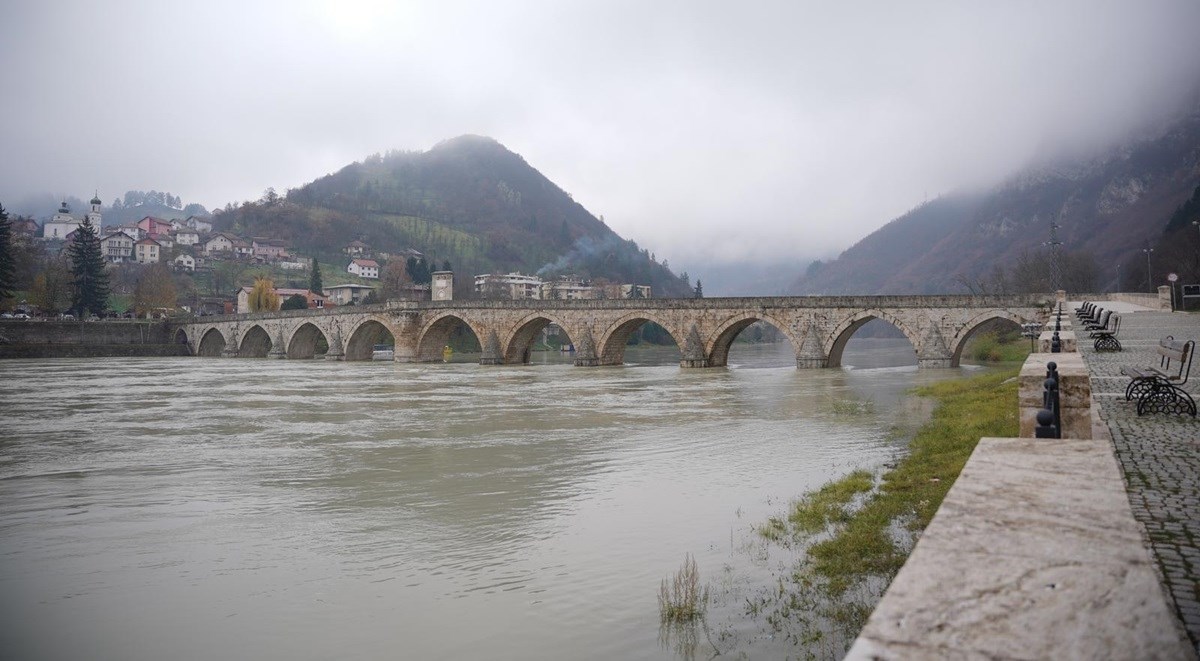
(1109, 206)
(469, 201)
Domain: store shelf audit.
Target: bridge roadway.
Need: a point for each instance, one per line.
(818, 327)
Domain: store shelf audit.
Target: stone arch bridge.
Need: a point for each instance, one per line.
(818, 327)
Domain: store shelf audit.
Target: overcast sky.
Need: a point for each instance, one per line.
(706, 131)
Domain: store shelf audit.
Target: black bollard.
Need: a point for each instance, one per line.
(1045, 425)
(1055, 343)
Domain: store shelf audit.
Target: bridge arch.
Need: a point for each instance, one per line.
(304, 340)
(434, 336)
(611, 346)
(181, 337)
(256, 343)
(971, 327)
(835, 344)
(519, 343)
(717, 347)
(212, 343)
(361, 341)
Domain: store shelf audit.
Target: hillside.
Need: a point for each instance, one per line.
(469, 201)
(1108, 208)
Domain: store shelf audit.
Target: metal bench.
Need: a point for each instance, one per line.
(1084, 310)
(1106, 337)
(1157, 389)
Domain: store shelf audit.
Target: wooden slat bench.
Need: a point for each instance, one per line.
(1157, 389)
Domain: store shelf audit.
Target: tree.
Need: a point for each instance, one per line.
(87, 267)
(699, 291)
(314, 283)
(155, 291)
(51, 290)
(8, 271)
(295, 302)
(446, 265)
(262, 296)
(395, 280)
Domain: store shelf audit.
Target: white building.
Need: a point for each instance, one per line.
(515, 286)
(219, 243)
(117, 247)
(63, 223)
(346, 294)
(185, 262)
(187, 237)
(199, 224)
(147, 251)
(364, 268)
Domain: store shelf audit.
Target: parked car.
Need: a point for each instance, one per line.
(20, 315)
(6, 315)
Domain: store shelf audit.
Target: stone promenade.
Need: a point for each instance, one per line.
(1159, 454)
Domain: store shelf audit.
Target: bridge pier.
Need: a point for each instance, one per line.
(811, 363)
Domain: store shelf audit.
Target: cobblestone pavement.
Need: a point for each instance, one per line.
(1159, 454)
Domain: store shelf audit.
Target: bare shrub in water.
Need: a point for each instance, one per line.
(681, 599)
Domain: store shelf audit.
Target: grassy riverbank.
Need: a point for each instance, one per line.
(859, 530)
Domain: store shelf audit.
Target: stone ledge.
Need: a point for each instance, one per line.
(1034, 554)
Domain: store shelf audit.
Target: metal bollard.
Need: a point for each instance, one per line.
(1055, 343)
(1045, 425)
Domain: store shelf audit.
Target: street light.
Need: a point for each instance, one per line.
(1118, 277)
(1149, 281)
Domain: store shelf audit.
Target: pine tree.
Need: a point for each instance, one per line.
(699, 290)
(7, 258)
(87, 268)
(314, 284)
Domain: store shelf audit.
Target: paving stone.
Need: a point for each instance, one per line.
(1159, 454)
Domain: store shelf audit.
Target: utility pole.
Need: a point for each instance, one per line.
(1055, 255)
(1149, 280)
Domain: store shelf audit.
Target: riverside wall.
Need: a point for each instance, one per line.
(86, 339)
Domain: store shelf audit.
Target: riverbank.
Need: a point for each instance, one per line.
(858, 531)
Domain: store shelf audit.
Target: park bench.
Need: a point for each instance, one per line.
(1099, 323)
(1106, 337)
(1157, 389)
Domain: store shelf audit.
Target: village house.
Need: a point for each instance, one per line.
(153, 227)
(132, 230)
(185, 262)
(117, 247)
(25, 227)
(348, 294)
(356, 248)
(147, 251)
(187, 237)
(269, 249)
(219, 243)
(202, 225)
(364, 268)
(315, 301)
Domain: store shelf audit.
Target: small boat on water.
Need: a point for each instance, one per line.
(567, 348)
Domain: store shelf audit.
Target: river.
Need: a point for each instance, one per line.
(189, 508)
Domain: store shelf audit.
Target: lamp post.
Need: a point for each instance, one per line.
(1118, 277)
(1149, 281)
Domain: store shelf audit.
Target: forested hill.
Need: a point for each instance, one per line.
(468, 200)
(1108, 208)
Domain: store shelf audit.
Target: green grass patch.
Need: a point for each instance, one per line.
(830, 504)
(997, 347)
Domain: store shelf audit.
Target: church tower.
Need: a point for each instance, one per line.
(94, 214)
